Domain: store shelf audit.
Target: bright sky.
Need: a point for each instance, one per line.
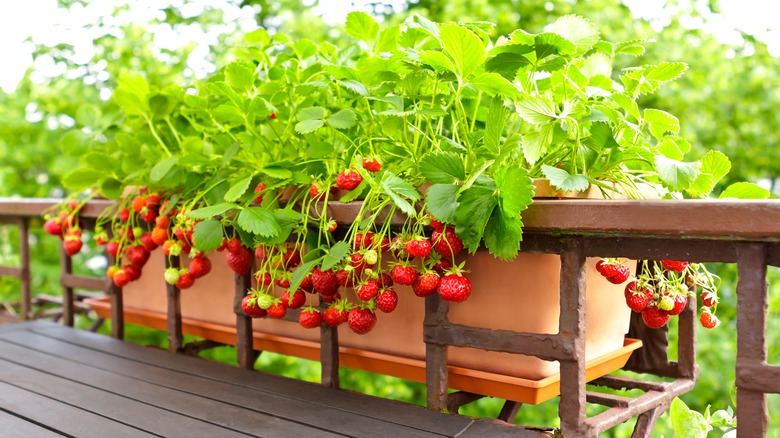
(41, 20)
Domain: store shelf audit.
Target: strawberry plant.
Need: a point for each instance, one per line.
(434, 130)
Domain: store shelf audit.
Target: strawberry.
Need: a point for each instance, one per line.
(402, 273)
(111, 271)
(295, 301)
(708, 320)
(346, 277)
(112, 248)
(438, 263)
(356, 261)
(368, 289)
(372, 164)
(674, 265)
(638, 298)
(138, 204)
(233, 245)
(272, 116)
(159, 235)
(307, 285)
(53, 226)
(137, 255)
(72, 244)
(291, 258)
(680, 301)
(437, 224)
(381, 244)
(277, 310)
(615, 271)
(446, 242)
(261, 253)
(250, 308)
(426, 284)
(453, 286)
(348, 179)
(263, 278)
(259, 189)
(314, 190)
(283, 282)
(419, 247)
(240, 260)
(333, 316)
(153, 200)
(121, 278)
(148, 243)
(124, 215)
(385, 280)
(185, 281)
(330, 299)
(361, 320)
(709, 298)
(73, 204)
(265, 301)
(171, 247)
(148, 215)
(171, 275)
(199, 266)
(309, 318)
(654, 317)
(362, 240)
(324, 282)
(133, 271)
(332, 226)
(162, 222)
(387, 300)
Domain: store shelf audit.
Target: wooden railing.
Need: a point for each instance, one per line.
(742, 232)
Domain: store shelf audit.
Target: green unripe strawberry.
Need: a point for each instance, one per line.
(666, 303)
(175, 249)
(171, 275)
(370, 257)
(264, 301)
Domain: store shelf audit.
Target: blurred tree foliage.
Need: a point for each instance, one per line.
(727, 100)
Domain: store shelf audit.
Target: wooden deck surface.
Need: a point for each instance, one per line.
(58, 381)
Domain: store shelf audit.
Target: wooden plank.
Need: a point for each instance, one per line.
(15, 427)
(387, 410)
(59, 416)
(184, 410)
(496, 429)
(264, 403)
(145, 417)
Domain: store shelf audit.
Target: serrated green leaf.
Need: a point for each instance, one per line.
(547, 44)
(536, 142)
(627, 103)
(438, 60)
(494, 125)
(239, 76)
(537, 110)
(305, 48)
(745, 190)
(259, 36)
(666, 71)
(494, 84)
(302, 271)
(400, 192)
(581, 32)
(503, 234)
(354, 86)
(670, 149)
(660, 122)
(515, 189)
(676, 175)
(716, 164)
(208, 235)
(355, 193)
(442, 167)
(223, 89)
(463, 46)
(238, 189)
(361, 26)
(686, 422)
(111, 188)
(258, 220)
(228, 114)
(335, 255)
(81, 179)
(441, 201)
(475, 207)
(277, 172)
(601, 134)
(562, 180)
(131, 103)
(162, 168)
(308, 126)
(344, 119)
(507, 64)
(311, 113)
(211, 211)
(388, 39)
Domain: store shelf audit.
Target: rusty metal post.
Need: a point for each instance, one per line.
(686, 343)
(66, 267)
(436, 311)
(173, 293)
(329, 353)
(24, 256)
(751, 336)
(244, 339)
(571, 409)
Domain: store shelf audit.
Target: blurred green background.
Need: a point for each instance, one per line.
(728, 101)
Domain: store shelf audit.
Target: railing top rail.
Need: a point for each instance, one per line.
(716, 219)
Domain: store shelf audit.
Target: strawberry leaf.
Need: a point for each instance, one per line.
(240, 76)
(676, 175)
(257, 220)
(335, 255)
(442, 168)
(398, 189)
(237, 189)
(441, 200)
(301, 273)
(211, 210)
(536, 142)
(503, 234)
(162, 168)
(344, 119)
(361, 26)
(463, 46)
(562, 180)
(515, 190)
(475, 206)
(745, 190)
(208, 235)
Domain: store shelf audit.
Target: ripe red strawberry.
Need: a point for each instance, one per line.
(121, 278)
(138, 204)
(153, 200)
(283, 282)
(240, 261)
(419, 247)
(385, 280)
(263, 278)
(291, 258)
(277, 310)
(233, 245)
(638, 298)
(72, 244)
(324, 282)
(453, 286)
(334, 316)
(73, 204)
(272, 116)
(372, 164)
(261, 253)
(101, 238)
(346, 277)
(250, 308)
(680, 301)
(295, 301)
(437, 224)
(199, 266)
(307, 284)
(709, 298)
(446, 242)
(159, 235)
(363, 240)
(356, 261)
(348, 179)
(185, 281)
(124, 215)
(112, 248)
(368, 290)
(332, 226)
(133, 271)
(708, 320)
(148, 243)
(330, 299)
(403, 274)
(314, 191)
(361, 321)
(426, 284)
(162, 222)
(309, 318)
(137, 255)
(674, 265)
(148, 215)
(387, 300)
(259, 189)
(53, 227)
(654, 317)
(615, 271)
